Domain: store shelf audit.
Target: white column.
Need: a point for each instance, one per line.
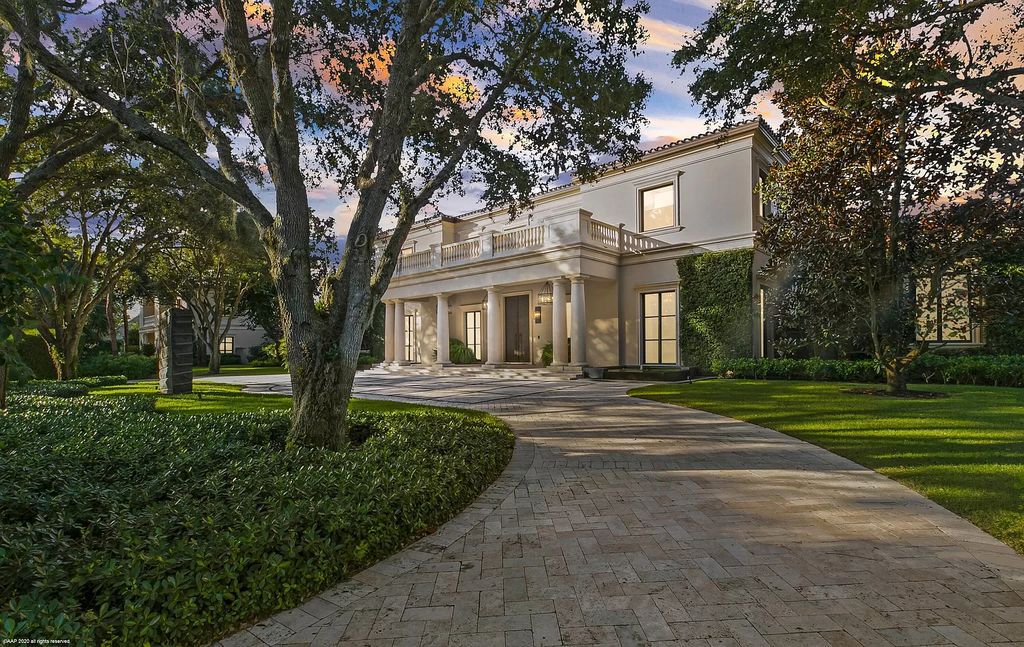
(389, 332)
(579, 322)
(442, 330)
(400, 333)
(559, 329)
(493, 328)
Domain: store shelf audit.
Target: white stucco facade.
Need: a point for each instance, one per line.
(582, 262)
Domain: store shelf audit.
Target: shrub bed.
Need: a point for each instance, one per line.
(134, 367)
(68, 388)
(933, 368)
(126, 526)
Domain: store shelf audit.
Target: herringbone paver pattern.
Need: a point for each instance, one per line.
(627, 522)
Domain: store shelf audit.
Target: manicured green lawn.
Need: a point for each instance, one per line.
(966, 452)
(242, 369)
(211, 397)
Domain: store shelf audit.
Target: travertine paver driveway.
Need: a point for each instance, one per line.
(622, 522)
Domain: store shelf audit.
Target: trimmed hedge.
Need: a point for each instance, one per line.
(932, 368)
(120, 525)
(35, 355)
(134, 367)
(715, 307)
(68, 388)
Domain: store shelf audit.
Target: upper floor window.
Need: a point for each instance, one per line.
(657, 207)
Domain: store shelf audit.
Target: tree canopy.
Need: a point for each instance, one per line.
(395, 102)
(748, 50)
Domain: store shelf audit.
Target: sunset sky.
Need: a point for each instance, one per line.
(670, 112)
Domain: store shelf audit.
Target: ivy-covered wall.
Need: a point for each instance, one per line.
(715, 307)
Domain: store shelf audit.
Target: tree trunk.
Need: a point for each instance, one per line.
(322, 379)
(214, 365)
(124, 325)
(3, 386)
(896, 380)
(108, 307)
(65, 354)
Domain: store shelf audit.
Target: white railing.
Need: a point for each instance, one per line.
(518, 239)
(417, 261)
(638, 243)
(457, 252)
(604, 234)
(568, 230)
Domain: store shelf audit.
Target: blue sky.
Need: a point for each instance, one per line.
(670, 112)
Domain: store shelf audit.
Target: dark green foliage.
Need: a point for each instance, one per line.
(367, 360)
(269, 354)
(459, 353)
(547, 354)
(230, 359)
(53, 388)
(69, 388)
(933, 368)
(136, 527)
(715, 307)
(1000, 304)
(33, 353)
(134, 367)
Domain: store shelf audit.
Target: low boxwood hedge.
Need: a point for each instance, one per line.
(932, 368)
(120, 525)
(135, 367)
(68, 388)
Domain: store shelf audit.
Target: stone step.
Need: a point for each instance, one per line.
(501, 372)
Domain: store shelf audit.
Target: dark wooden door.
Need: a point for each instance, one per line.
(517, 328)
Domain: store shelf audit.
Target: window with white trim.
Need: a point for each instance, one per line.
(658, 207)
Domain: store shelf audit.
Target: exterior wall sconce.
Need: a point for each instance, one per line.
(545, 296)
(536, 314)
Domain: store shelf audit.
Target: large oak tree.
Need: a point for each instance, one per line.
(905, 125)
(396, 102)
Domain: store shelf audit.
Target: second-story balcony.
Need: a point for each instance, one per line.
(575, 228)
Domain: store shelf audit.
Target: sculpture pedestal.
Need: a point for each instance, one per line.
(177, 341)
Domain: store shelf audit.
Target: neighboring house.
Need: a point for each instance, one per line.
(238, 340)
(593, 262)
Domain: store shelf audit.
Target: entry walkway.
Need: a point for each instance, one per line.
(621, 521)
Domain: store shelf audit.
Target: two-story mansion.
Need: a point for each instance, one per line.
(590, 269)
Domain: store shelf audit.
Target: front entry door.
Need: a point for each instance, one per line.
(517, 328)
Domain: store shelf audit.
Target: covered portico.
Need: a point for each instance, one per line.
(501, 324)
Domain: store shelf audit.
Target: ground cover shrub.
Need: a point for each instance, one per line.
(68, 388)
(134, 367)
(932, 368)
(121, 525)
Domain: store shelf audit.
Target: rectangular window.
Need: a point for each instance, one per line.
(657, 207)
(412, 347)
(767, 206)
(227, 345)
(948, 318)
(471, 320)
(660, 333)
